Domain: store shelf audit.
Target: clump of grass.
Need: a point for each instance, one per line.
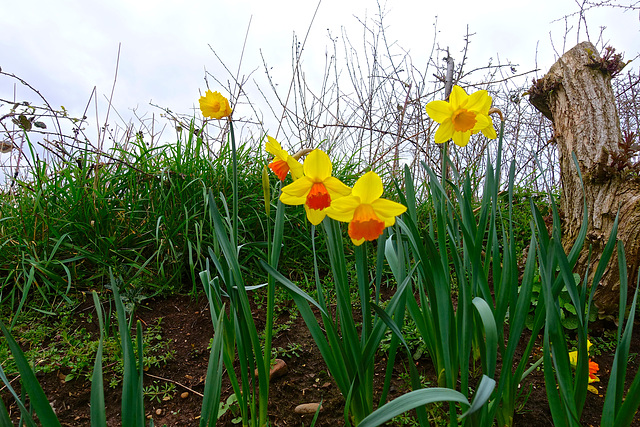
(137, 209)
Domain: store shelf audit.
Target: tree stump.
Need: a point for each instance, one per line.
(576, 95)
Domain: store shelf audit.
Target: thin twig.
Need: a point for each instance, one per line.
(174, 382)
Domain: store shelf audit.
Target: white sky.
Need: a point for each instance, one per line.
(66, 47)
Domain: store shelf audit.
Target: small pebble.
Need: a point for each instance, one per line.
(158, 411)
(307, 408)
(184, 395)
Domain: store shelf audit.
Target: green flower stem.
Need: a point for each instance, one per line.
(234, 159)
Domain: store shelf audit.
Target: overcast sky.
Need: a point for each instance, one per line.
(65, 48)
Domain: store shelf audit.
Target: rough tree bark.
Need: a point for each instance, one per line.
(576, 95)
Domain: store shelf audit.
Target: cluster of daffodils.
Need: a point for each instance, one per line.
(462, 116)
(362, 207)
(323, 195)
(593, 368)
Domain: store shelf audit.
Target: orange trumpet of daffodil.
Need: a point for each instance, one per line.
(367, 214)
(316, 189)
(283, 162)
(214, 106)
(462, 116)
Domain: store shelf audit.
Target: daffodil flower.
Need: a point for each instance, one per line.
(214, 106)
(593, 367)
(367, 214)
(283, 162)
(462, 116)
(316, 189)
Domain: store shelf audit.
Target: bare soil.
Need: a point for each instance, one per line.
(186, 324)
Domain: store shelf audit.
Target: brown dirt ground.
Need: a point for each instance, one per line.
(186, 323)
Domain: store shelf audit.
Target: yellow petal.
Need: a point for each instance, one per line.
(461, 138)
(444, 132)
(336, 188)
(490, 132)
(458, 97)
(388, 210)
(573, 357)
(317, 166)
(368, 187)
(272, 146)
(479, 101)
(314, 216)
(439, 111)
(296, 192)
(357, 242)
(296, 169)
(482, 121)
(343, 208)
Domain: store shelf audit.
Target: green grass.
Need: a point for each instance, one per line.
(137, 210)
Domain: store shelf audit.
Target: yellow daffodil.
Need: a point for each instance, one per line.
(283, 162)
(214, 106)
(593, 367)
(462, 116)
(316, 189)
(367, 214)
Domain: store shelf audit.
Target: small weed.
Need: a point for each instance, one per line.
(160, 393)
(412, 337)
(606, 344)
(293, 349)
(231, 404)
